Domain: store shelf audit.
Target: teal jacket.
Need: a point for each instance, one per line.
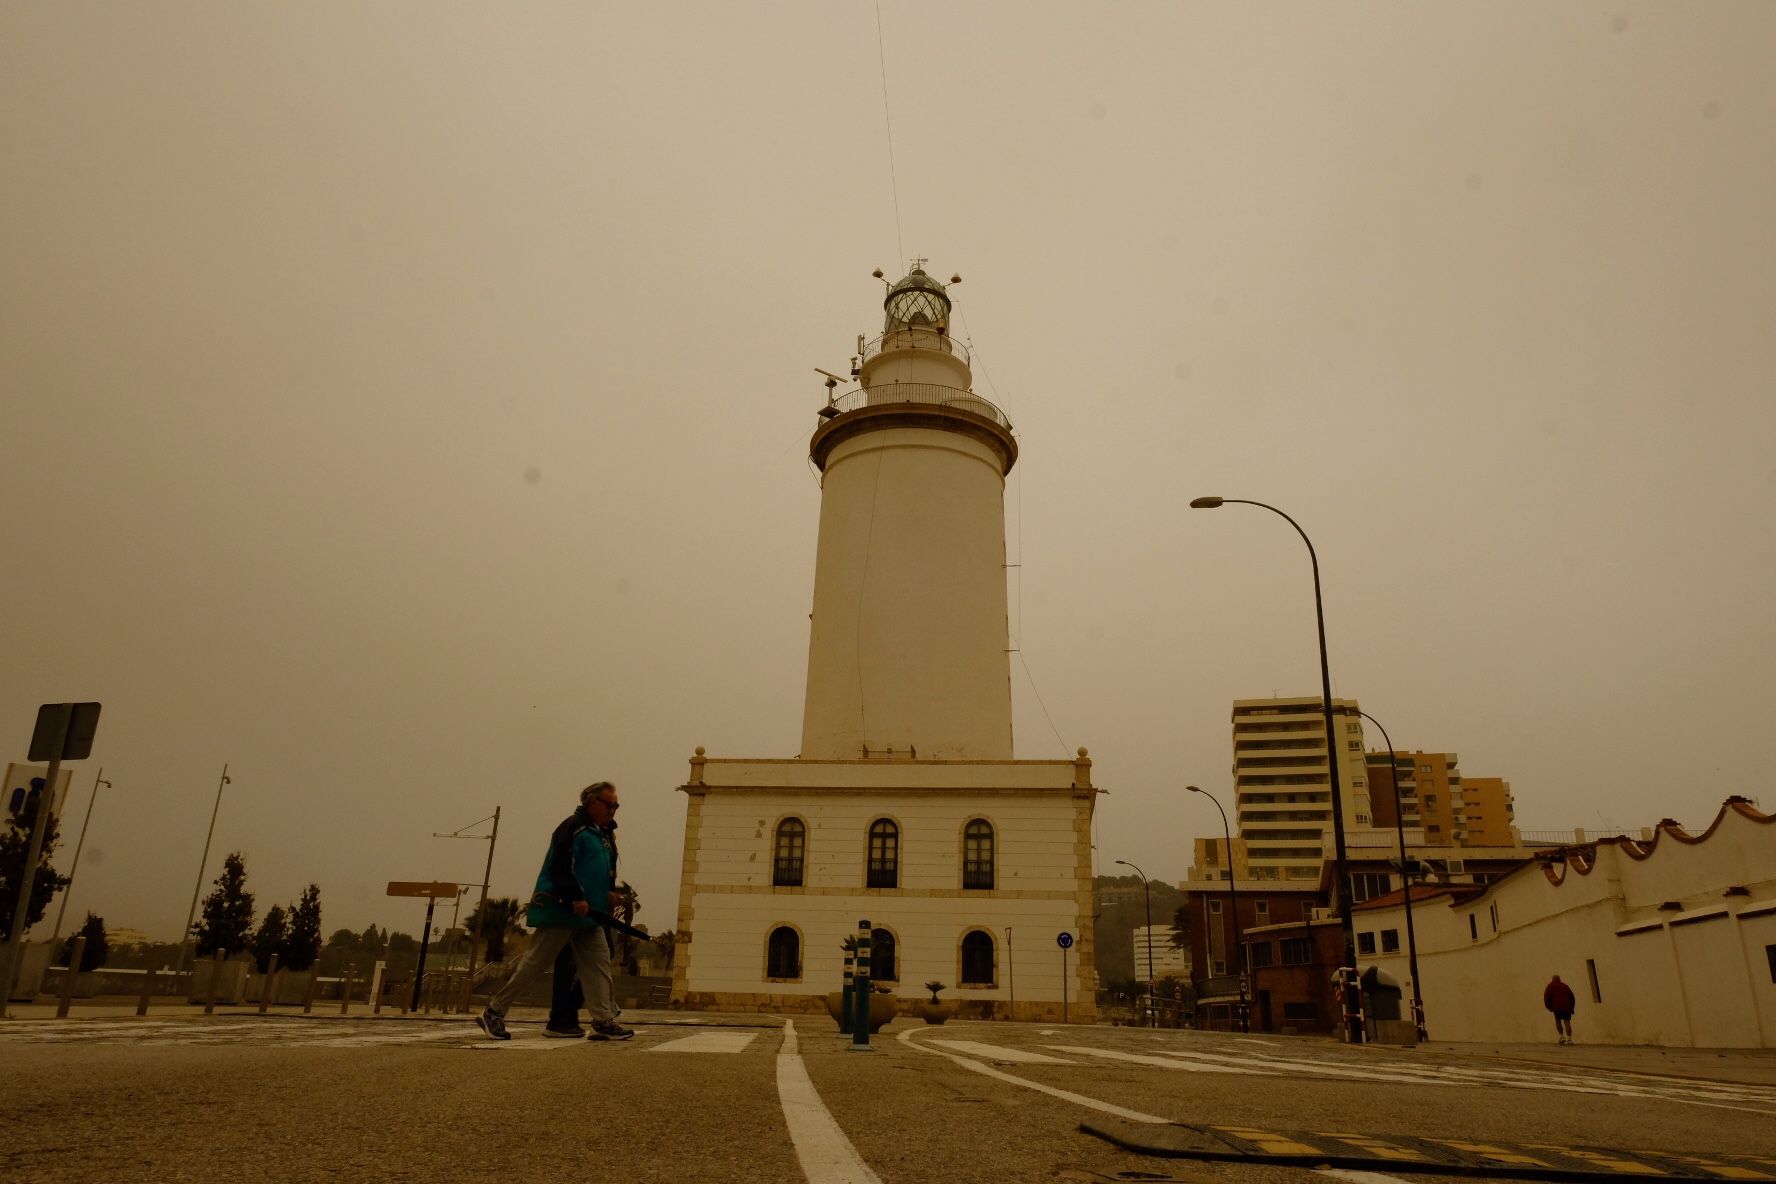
(581, 865)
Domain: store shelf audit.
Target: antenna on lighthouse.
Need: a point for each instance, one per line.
(832, 381)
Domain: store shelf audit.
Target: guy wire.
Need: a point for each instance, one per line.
(893, 182)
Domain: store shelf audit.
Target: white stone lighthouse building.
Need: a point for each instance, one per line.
(906, 806)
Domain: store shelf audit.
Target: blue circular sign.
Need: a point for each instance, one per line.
(1064, 940)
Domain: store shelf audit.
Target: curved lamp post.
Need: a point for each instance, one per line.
(68, 888)
(1152, 1000)
(1239, 959)
(1353, 1008)
(1418, 1009)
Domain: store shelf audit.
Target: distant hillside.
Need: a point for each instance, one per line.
(1118, 919)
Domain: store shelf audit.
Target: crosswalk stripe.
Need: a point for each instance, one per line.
(727, 1042)
(995, 1052)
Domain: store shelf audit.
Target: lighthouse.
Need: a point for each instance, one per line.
(907, 650)
(905, 807)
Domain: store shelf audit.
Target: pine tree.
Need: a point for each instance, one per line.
(98, 947)
(15, 844)
(302, 944)
(269, 939)
(227, 920)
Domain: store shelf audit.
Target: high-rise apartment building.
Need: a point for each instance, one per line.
(1487, 818)
(1282, 784)
(1435, 797)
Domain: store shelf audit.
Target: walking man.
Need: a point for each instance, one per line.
(1558, 998)
(578, 879)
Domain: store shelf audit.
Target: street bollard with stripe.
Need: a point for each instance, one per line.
(345, 993)
(860, 992)
(845, 995)
(215, 982)
(74, 956)
(271, 970)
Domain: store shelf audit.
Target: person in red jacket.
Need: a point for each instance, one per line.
(1558, 998)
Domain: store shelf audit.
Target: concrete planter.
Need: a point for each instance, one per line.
(935, 1013)
(882, 1009)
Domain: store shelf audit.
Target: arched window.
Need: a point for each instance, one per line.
(884, 854)
(977, 854)
(977, 959)
(787, 861)
(883, 967)
(783, 953)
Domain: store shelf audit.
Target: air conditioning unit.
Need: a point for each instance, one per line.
(1455, 867)
(1322, 915)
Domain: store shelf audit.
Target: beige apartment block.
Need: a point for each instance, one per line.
(1488, 816)
(1282, 783)
(1669, 940)
(906, 807)
(1213, 861)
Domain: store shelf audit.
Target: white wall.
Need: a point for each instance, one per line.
(1694, 976)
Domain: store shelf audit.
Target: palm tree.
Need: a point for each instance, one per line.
(495, 923)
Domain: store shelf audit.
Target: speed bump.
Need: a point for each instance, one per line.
(1455, 1157)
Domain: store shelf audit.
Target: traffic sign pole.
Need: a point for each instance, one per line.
(425, 942)
(1065, 941)
(15, 940)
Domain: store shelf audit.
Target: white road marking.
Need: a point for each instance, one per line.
(1170, 1061)
(906, 1038)
(822, 1149)
(996, 1053)
(708, 1042)
(1356, 1177)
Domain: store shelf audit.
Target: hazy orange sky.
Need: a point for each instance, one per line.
(409, 403)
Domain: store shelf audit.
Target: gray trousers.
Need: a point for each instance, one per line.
(591, 957)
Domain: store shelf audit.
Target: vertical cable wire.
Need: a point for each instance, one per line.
(888, 125)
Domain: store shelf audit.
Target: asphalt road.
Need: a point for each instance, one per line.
(240, 1097)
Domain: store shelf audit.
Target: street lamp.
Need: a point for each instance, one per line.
(185, 942)
(480, 914)
(68, 888)
(1418, 1010)
(1152, 998)
(1240, 963)
(1353, 1017)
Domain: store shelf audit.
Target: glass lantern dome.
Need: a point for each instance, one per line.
(917, 302)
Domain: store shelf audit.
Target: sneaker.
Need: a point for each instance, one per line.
(610, 1030)
(493, 1023)
(573, 1033)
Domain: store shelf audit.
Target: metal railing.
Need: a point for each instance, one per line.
(915, 339)
(892, 394)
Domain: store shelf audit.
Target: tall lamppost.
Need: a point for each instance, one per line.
(1239, 960)
(185, 942)
(1152, 999)
(1418, 1009)
(68, 888)
(1353, 1008)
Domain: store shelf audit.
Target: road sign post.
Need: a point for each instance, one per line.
(64, 731)
(431, 890)
(1065, 941)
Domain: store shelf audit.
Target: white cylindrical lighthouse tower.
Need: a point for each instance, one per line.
(907, 651)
